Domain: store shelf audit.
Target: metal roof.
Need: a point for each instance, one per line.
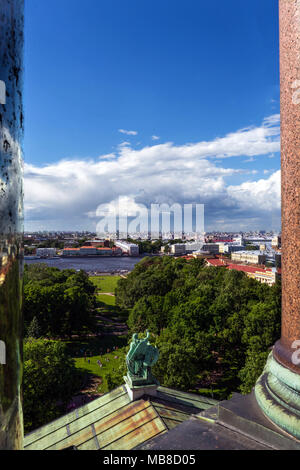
(113, 422)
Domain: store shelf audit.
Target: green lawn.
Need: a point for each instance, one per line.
(112, 363)
(105, 283)
(86, 352)
(106, 299)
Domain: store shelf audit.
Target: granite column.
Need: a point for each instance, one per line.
(278, 389)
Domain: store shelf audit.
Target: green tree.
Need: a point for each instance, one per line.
(34, 330)
(63, 302)
(256, 358)
(49, 381)
(211, 324)
(148, 314)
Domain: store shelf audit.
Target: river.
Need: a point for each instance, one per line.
(91, 265)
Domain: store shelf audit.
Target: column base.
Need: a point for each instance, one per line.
(277, 392)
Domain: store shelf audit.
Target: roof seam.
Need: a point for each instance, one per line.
(133, 430)
(87, 426)
(92, 424)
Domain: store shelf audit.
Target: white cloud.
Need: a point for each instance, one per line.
(123, 131)
(108, 156)
(155, 137)
(261, 195)
(68, 192)
(124, 144)
(272, 120)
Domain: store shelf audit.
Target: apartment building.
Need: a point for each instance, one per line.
(46, 252)
(130, 248)
(264, 275)
(253, 257)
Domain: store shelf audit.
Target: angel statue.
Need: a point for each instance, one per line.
(140, 358)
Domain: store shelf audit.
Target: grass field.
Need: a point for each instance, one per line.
(106, 299)
(109, 349)
(110, 362)
(105, 283)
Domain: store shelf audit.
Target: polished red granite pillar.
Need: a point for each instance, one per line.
(277, 390)
(290, 174)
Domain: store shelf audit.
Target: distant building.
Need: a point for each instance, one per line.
(130, 248)
(177, 249)
(116, 251)
(238, 240)
(276, 242)
(210, 248)
(88, 250)
(46, 252)
(221, 240)
(229, 247)
(269, 276)
(255, 240)
(254, 257)
(193, 246)
(264, 275)
(71, 252)
(96, 243)
(104, 251)
(69, 242)
(202, 254)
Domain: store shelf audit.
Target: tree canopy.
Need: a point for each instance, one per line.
(59, 302)
(49, 380)
(211, 325)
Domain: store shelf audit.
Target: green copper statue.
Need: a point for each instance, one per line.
(140, 358)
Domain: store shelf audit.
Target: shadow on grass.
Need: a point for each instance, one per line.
(111, 309)
(95, 346)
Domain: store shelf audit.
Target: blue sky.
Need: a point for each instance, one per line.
(161, 101)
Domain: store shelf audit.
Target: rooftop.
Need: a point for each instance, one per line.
(239, 267)
(251, 252)
(114, 422)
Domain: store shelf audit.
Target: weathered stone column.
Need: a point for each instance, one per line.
(11, 223)
(290, 178)
(278, 390)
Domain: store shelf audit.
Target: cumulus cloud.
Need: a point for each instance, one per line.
(67, 193)
(123, 131)
(261, 195)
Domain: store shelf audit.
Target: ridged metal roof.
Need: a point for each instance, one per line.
(113, 422)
